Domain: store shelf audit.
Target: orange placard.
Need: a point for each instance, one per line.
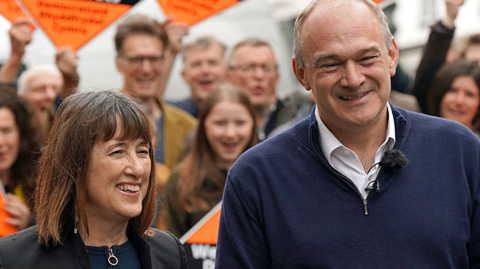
(201, 240)
(11, 11)
(193, 11)
(206, 230)
(72, 22)
(208, 233)
(5, 228)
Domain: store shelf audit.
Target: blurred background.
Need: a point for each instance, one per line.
(271, 20)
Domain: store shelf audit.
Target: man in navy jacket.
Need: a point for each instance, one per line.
(337, 190)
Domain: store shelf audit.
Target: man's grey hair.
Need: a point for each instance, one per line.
(253, 42)
(24, 78)
(298, 43)
(203, 42)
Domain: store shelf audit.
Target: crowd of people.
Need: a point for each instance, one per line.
(115, 177)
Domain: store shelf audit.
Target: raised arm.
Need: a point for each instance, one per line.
(67, 62)
(20, 36)
(435, 53)
(175, 32)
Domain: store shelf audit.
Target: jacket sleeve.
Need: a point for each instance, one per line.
(241, 239)
(432, 59)
(473, 247)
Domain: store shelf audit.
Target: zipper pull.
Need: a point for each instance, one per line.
(365, 206)
(112, 260)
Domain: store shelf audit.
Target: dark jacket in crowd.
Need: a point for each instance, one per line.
(23, 250)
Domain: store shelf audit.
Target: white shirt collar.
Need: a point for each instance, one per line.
(329, 142)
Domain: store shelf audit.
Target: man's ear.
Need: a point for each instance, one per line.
(182, 73)
(393, 55)
(118, 64)
(300, 74)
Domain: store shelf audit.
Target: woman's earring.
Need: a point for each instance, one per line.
(76, 220)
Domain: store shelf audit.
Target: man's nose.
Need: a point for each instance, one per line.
(146, 65)
(51, 93)
(352, 76)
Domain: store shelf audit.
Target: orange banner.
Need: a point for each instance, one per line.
(193, 11)
(208, 232)
(72, 22)
(11, 11)
(201, 240)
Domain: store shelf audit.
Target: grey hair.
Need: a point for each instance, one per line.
(27, 74)
(254, 42)
(203, 42)
(298, 43)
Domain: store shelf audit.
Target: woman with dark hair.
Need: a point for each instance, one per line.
(455, 93)
(19, 150)
(226, 129)
(95, 194)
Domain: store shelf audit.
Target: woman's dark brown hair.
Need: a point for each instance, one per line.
(21, 172)
(201, 164)
(82, 120)
(443, 80)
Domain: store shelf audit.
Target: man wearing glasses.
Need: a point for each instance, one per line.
(253, 67)
(140, 43)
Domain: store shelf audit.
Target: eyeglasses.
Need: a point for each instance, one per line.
(136, 62)
(251, 68)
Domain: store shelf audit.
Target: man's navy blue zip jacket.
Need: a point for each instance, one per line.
(285, 207)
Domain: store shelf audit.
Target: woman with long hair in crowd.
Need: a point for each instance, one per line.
(95, 195)
(226, 129)
(455, 94)
(19, 150)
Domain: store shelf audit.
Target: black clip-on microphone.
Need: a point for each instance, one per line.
(392, 160)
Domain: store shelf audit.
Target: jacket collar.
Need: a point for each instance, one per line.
(313, 138)
(74, 245)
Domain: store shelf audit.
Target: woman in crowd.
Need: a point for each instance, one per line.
(19, 149)
(226, 129)
(95, 194)
(455, 93)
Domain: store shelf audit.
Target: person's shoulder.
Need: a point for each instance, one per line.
(435, 127)
(285, 144)
(165, 247)
(175, 114)
(17, 249)
(26, 236)
(181, 103)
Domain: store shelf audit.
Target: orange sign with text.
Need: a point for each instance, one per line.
(200, 242)
(73, 22)
(193, 11)
(11, 11)
(207, 231)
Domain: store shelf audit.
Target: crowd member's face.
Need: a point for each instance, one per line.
(255, 72)
(9, 139)
(348, 65)
(117, 179)
(461, 102)
(229, 128)
(41, 90)
(141, 62)
(204, 69)
(473, 53)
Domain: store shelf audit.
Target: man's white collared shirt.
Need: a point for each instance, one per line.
(346, 161)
